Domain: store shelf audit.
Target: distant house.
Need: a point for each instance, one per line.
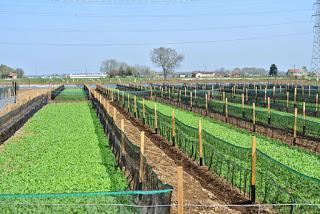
(235, 74)
(296, 72)
(12, 76)
(87, 76)
(203, 74)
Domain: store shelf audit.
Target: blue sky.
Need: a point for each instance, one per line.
(68, 36)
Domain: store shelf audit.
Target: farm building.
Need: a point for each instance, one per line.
(12, 75)
(203, 74)
(87, 76)
(296, 72)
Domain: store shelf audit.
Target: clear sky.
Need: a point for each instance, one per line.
(68, 36)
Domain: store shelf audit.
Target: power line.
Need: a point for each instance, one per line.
(91, 15)
(153, 30)
(152, 43)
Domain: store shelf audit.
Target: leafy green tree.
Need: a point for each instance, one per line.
(273, 70)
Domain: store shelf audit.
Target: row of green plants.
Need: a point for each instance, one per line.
(281, 119)
(285, 174)
(61, 149)
(72, 94)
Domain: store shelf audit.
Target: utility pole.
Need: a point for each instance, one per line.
(315, 63)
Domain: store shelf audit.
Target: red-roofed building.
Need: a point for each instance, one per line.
(297, 72)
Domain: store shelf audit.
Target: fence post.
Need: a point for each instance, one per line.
(254, 116)
(274, 93)
(135, 105)
(242, 98)
(247, 96)
(179, 97)
(180, 195)
(150, 92)
(173, 129)
(169, 93)
(253, 169)
(141, 169)
(226, 109)
(123, 104)
(161, 92)
(269, 111)
(191, 100)
(317, 101)
(122, 136)
(143, 112)
(309, 91)
(295, 125)
(206, 104)
(114, 114)
(304, 117)
(200, 142)
(288, 100)
(185, 91)
(295, 97)
(128, 102)
(155, 118)
(265, 96)
(118, 97)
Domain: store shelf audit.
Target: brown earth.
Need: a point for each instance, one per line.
(201, 187)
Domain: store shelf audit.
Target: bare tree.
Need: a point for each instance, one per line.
(108, 66)
(166, 58)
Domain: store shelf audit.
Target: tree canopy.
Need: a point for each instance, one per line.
(6, 70)
(273, 70)
(166, 58)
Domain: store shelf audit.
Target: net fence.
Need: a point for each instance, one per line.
(276, 182)
(306, 127)
(130, 159)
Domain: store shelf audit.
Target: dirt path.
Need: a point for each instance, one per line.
(165, 167)
(22, 97)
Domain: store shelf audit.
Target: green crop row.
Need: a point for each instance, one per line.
(61, 149)
(71, 94)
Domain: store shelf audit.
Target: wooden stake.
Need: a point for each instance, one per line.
(253, 169)
(191, 100)
(288, 100)
(317, 101)
(173, 129)
(295, 125)
(135, 105)
(114, 114)
(180, 195)
(242, 99)
(206, 104)
(295, 97)
(226, 108)
(155, 118)
(304, 116)
(269, 111)
(143, 112)
(254, 116)
(200, 142)
(141, 170)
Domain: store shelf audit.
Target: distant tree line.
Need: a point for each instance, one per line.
(6, 70)
(114, 68)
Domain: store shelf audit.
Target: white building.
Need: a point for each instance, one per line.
(87, 76)
(204, 74)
